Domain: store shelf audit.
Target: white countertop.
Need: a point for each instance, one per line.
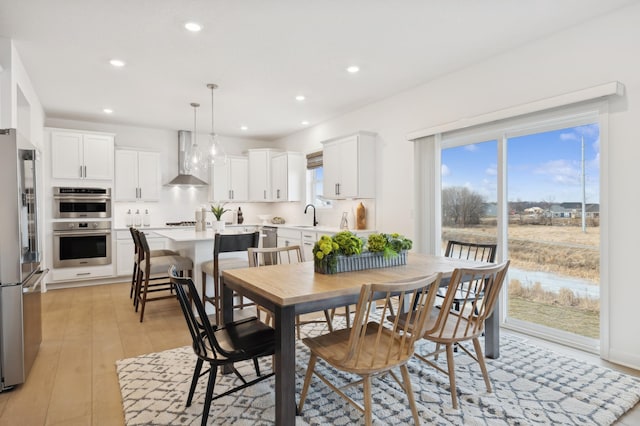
(189, 234)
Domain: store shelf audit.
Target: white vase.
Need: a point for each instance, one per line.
(217, 225)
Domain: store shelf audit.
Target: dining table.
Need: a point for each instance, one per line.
(295, 289)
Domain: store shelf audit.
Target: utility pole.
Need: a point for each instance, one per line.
(584, 195)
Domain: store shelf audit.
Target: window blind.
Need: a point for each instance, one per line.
(314, 160)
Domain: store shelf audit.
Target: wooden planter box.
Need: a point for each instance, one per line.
(363, 261)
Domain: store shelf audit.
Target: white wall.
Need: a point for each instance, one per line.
(599, 51)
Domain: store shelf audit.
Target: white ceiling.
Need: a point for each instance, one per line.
(262, 53)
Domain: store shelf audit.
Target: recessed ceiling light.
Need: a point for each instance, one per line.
(193, 26)
(108, 111)
(353, 69)
(305, 123)
(244, 128)
(300, 98)
(117, 63)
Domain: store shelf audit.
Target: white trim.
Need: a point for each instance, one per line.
(595, 92)
(552, 334)
(605, 282)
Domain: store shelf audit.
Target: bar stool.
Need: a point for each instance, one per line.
(157, 267)
(136, 261)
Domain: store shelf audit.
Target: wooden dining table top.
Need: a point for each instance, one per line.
(292, 284)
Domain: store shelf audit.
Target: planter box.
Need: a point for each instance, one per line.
(363, 261)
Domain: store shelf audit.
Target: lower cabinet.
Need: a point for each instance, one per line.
(308, 241)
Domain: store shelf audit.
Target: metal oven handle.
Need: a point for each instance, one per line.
(81, 233)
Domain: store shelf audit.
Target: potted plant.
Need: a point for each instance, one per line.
(218, 210)
(345, 251)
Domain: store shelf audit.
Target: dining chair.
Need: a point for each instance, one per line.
(136, 260)
(373, 346)
(226, 243)
(479, 252)
(152, 275)
(448, 326)
(243, 340)
(260, 257)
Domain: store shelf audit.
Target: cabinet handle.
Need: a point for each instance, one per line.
(229, 195)
(265, 194)
(337, 189)
(85, 171)
(82, 273)
(308, 244)
(233, 194)
(81, 171)
(140, 193)
(278, 194)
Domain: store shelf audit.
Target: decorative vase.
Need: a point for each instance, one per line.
(217, 226)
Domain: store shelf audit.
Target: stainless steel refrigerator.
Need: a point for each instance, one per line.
(20, 271)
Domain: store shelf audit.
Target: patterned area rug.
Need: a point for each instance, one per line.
(531, 385)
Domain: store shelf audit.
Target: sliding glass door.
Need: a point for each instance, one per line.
(535, 191)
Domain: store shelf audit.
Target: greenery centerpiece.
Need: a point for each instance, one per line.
(346, 251)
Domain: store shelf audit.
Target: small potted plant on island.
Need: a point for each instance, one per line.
(218, 210)
(346, 251)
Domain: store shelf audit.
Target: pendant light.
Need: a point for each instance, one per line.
(195, 157)
(216, 151)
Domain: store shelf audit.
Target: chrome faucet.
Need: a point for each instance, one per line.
(315, 222)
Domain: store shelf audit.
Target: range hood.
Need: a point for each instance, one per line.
(185, 178)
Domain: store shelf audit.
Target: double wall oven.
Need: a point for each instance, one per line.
(85, 241)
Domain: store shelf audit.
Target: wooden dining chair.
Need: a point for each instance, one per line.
(449, 326)
(243, 340)
(260, 257)
(137, 252)
(226, 244)
(373, 346)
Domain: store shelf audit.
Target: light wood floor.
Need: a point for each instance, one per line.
(85, 330)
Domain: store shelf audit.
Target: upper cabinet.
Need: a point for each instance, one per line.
(260, 174)
(78, 155)
(288, 176)
(349, 166)
(230, 180)
(137, 175)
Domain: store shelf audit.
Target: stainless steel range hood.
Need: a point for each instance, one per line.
(184, 178)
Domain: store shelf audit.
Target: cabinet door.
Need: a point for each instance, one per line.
(124, 257)
(220, 181)
(279, 178)
(331, 164)
(98, 157)
(126, 179)
(308, 241)
(239, 178)
(259, 175)
(149, 176)
(66, 155)
(349, 163)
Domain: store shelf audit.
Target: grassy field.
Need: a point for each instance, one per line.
(562, 250)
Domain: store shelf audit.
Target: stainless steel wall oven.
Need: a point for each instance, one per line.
(81, 244)
(80, 203)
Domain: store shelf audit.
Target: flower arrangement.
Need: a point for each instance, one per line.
(328, 250)
(218, 210)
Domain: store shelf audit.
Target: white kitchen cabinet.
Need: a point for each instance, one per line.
(125, 249)
(349, 166)
(288, 176)
(230, 180)
(78, 155)
(260, 174)
(289, 237)
(308, 241)
(137, 176)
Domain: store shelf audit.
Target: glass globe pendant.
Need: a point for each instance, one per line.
(216, 151)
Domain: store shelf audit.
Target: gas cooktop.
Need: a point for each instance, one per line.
(183, 223)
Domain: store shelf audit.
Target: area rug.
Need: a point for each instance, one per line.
(531, 386)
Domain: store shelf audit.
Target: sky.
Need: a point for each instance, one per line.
(541, 167)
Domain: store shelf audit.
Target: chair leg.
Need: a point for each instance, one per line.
(483, 366)
(257, 366)
(368, 415)
(194, 381)
(134, 276)
(144, 295)
(307, 382)
(347, 314)
(409, 391)
(298, 326)
(327, 317)
(452, 376)
(209, 395)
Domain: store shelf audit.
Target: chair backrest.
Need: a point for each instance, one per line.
(144, 252)
(480, 288)
(229, 243)
(201, 329)
(394, 341)
(136, 240)
(275, 255)
(471, 251)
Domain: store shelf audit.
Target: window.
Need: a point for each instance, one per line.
(315, 177)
